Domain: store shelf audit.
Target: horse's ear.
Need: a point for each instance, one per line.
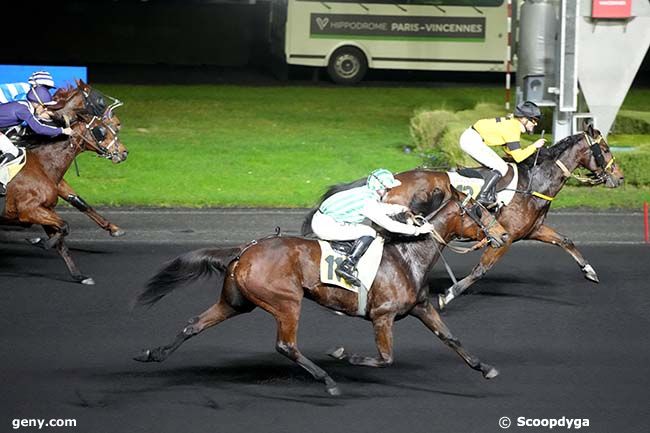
(588, 127)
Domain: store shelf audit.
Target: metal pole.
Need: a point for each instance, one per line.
(508, 55)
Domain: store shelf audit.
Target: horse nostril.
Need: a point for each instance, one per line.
(505, 237)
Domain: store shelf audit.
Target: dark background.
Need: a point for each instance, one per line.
(170, 41)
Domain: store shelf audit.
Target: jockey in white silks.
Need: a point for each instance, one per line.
(341, 218)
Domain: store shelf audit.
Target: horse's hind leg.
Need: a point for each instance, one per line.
(210, 317)
(430, 317)
(57, 237)
(383, 326)
(286, 344)
(547, 235)
(63, 251)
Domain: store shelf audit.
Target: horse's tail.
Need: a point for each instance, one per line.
(184, 269)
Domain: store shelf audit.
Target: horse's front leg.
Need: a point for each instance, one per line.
(65, 191)
(548, 235)
(430, 317)
(488, 259)
(383, 326)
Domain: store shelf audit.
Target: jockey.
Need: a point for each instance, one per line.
(501, 131)
(340, 218)
(16, 112)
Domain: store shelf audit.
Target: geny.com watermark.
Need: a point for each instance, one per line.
(549, 423)
(40, 423)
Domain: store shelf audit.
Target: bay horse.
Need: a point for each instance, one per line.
(33, 194)
(276, 273)
(88, 101)
(524, 217)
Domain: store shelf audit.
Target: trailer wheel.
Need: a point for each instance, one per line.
(348, 65)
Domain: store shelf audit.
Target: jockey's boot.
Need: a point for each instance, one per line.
(6, 158)
(487, 196)
(348, 268)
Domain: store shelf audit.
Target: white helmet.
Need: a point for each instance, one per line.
(382, 179)
(41, 78)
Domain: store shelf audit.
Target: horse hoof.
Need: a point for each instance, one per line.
(333, 390)
(37, 242)
(88, 281)
(441, 302)
(117, 233)
(590, 274)
(491, 372)
(337, 353)
(144, 356)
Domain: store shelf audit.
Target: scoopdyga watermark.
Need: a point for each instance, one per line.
(546, 423)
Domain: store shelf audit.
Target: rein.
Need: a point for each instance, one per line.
(441, 240)
(98, 136)
(594, 146)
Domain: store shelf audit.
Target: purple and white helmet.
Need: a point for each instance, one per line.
(41, 78)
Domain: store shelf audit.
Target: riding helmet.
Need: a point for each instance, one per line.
(41, 78)
(528, 109)
(382, 179)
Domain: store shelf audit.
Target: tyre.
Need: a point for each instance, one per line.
(348, 65)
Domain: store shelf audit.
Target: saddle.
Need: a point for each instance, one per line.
(10, 170)
(367, 267)
(470, 181)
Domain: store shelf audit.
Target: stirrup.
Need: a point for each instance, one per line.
(3, 190)
(348, 276)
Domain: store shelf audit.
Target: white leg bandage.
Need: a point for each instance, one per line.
(472, 144)
(6, 146)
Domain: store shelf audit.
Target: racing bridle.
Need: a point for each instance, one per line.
(94, 137)
(605, 169)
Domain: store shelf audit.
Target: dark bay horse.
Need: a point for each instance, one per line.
(87, 101)
(277, 273)
(33, 193)
(524, 217)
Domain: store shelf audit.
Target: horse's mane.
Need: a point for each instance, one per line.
(35, 141)
(554, 152)
(63, 93)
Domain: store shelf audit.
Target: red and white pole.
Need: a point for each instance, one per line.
(646, 223)
(508, 61)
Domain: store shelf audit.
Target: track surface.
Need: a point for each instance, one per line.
(565, 347)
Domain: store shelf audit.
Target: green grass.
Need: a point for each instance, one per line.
(269, 146)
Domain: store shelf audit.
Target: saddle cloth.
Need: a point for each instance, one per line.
(13, 168)
(367, 266)
(472, 186)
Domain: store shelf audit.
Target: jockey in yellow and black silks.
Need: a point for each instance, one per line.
(477, 141)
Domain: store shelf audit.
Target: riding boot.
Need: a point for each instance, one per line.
(348, 268)
(487, 196)
(6, 158)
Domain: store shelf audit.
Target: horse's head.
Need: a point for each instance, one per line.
(84, 100)
(423, 191)
(598, 159)
(101, 136)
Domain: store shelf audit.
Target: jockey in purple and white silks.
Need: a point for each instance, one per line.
(30, 112)
(341, 216)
